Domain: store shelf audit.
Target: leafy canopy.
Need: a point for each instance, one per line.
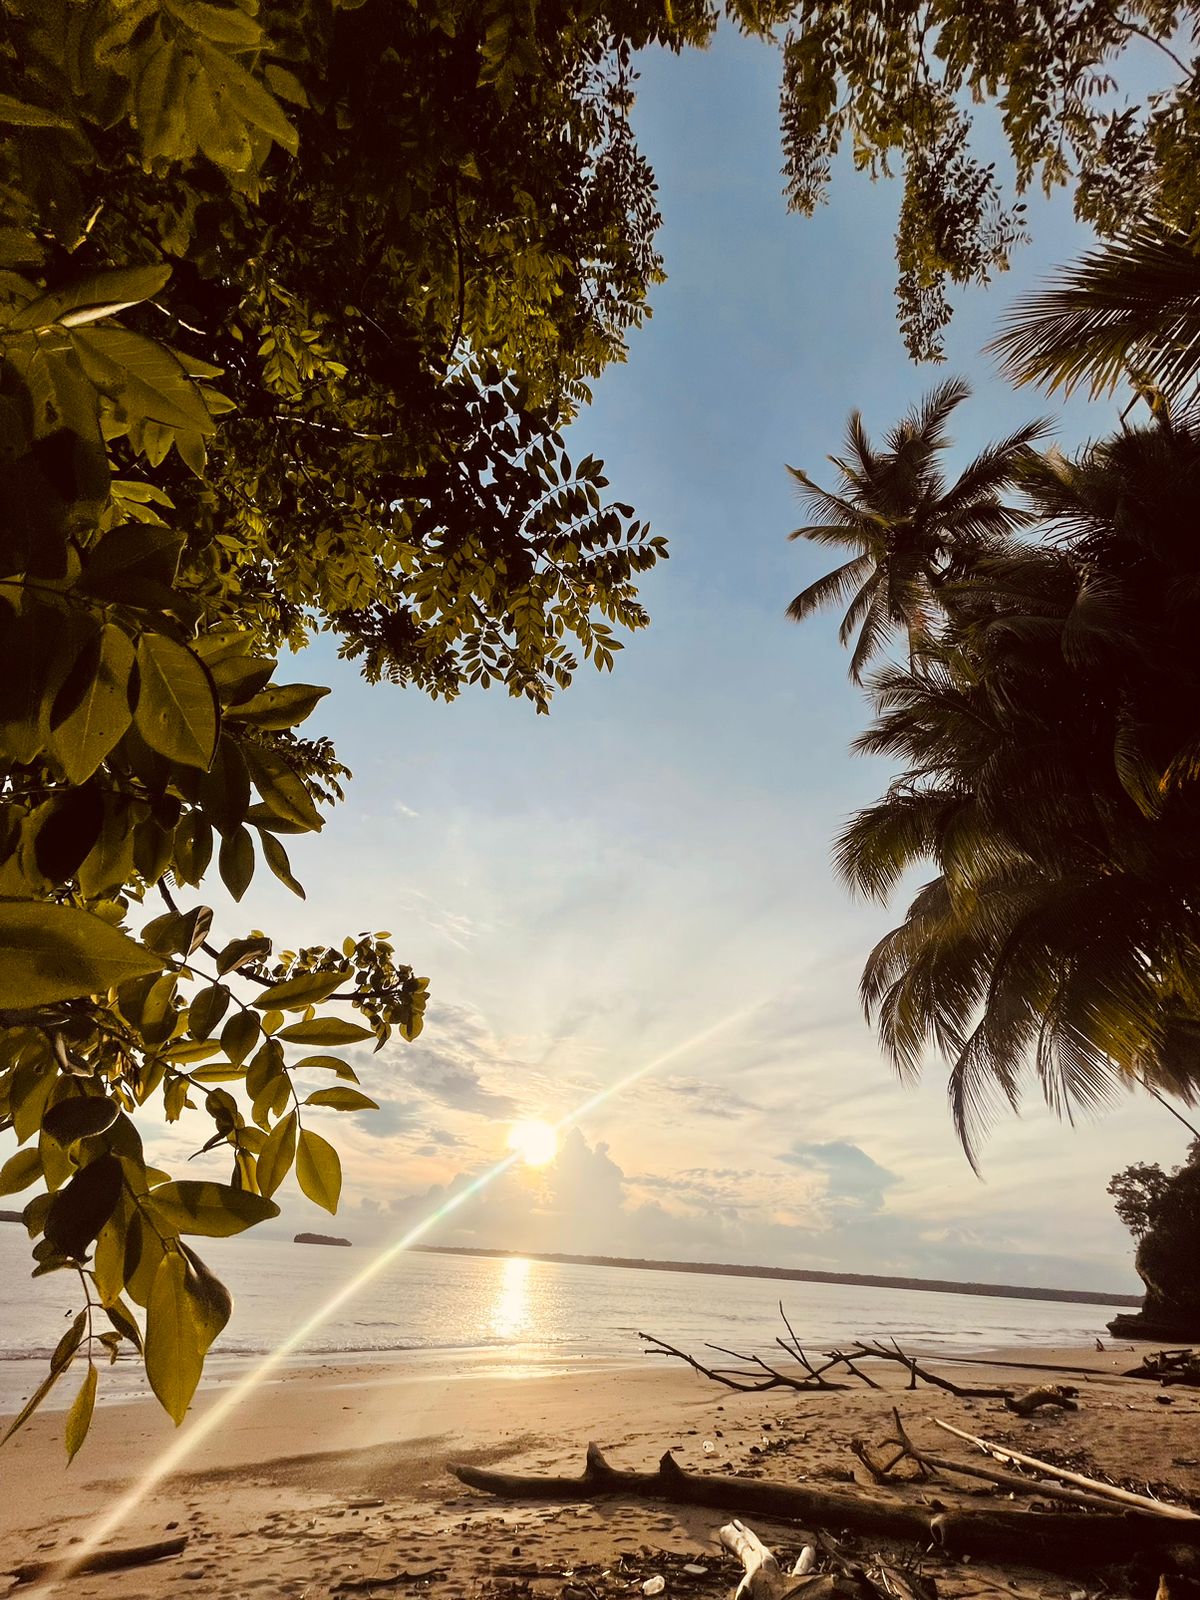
(294, 301)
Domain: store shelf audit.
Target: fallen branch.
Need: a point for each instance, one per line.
(756, 1376)
(881, 1353)
(1043, 1539)
(138, 1555)
(1096, 1486)
(743, 1379)
(926, 1462)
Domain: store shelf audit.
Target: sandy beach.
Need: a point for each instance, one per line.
(332, 1480)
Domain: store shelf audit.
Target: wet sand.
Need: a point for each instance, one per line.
(332, 1480)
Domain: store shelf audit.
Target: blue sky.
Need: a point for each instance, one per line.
(586, 890)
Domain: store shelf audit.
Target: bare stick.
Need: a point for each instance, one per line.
(1106, 1491)
(1012, 1481)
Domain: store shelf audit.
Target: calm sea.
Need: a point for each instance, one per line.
(516, 1315)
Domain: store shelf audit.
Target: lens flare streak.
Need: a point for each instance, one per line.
(207, 1422)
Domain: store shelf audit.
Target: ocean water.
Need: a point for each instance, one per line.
(515, 1316)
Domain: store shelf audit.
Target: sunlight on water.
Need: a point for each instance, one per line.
(511, 1312)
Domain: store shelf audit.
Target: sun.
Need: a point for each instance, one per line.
(535, 1142)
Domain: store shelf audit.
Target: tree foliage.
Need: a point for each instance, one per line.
(1162, 1211)
(294, 301)
(903, 84)
(1050, 756)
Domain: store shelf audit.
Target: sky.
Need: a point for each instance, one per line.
(589, 890)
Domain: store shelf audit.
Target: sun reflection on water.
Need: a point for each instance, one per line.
(510, 1313)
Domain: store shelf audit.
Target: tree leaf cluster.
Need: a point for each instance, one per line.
(294, 302)
(903, 87)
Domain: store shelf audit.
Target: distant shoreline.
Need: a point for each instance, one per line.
(1006, 1291)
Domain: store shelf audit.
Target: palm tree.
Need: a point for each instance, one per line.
(1050, 738)
(910, 535)
(1129, 310)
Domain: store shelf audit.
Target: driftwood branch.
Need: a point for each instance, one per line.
(137, 1555)
(1049, 1540)
(1046, 1394)
(1169, 1367)
(1096, 1486)
(755, 1375)
(927, 1462)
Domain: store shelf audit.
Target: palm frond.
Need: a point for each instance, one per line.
(1130, 306)
(830, 589)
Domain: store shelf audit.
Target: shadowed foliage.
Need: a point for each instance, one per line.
(1128, 311)
(1049, 746)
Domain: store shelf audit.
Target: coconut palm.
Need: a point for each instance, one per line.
(910, 534)
(1127, 311)
(1050, 739)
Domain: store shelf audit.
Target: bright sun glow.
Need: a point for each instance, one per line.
(535, 1142)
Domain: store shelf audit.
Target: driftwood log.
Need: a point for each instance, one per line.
(137, 1555)
(1053, 1541)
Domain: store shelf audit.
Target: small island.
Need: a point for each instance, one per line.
(318, 1238)
(11, 1216)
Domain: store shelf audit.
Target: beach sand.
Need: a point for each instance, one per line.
(268, 1501)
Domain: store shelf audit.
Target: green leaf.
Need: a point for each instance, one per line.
(135, 566)
(214, 1209)
(239, 953)
(236, 862)
(248, 97)
(149, 380)
(276, 1157)
(177, 712)
(79, 1118)
(122, 1319)
(282, 791)
(178, 932)
(325, 1030)
(88, 299)
(19, 1171)
(173, 1338)
(211, 1300)
(79, 1418)
(78, 1212)
(31, 1405)
(221, 24)
(294, 994)
(206, 1011)
(318, 1170)
(91, 711)
(54, 952)
(342, 1100)
(16, 113)
(279, 708)
(66, 1347)
(277, 859)
(240, 1035)
(327, 1064)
